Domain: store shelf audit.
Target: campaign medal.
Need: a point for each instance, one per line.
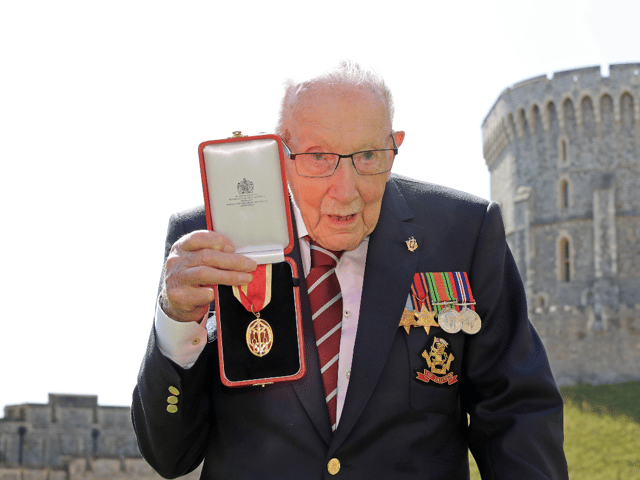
(426, 319)
(471, 322)
(449, 320)
(444, 301)
(424, 313)
(254, 297)
(408, 319)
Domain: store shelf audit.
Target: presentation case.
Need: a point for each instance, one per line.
(246, 199)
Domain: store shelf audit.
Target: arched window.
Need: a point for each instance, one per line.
(564, 194)
(606, 111)
(626, 107)
(565, 260)
(563, 151)
(569, 114)
(588, 116)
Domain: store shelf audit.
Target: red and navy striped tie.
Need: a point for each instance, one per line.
(326, 311)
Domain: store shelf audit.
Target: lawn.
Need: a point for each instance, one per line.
(601, 432)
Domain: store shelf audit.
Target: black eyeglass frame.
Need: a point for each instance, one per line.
(293, 156)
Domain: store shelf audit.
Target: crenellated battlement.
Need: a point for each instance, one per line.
(573, 98)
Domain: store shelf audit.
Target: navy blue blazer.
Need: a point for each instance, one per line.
(505, 406)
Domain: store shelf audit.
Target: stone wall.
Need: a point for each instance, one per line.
(71, 438)
(96, 469)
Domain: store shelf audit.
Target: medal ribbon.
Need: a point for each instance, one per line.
(463, 289)
(257, 294)
(441, 291)
(420, 292)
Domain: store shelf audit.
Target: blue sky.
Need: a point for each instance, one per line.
(103, 106)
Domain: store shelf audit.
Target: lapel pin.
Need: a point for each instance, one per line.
(412, 245)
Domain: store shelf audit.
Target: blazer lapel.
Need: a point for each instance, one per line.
(388, 275)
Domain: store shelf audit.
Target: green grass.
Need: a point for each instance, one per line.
(601, 432)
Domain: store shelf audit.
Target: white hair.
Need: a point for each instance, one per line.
(347, 73)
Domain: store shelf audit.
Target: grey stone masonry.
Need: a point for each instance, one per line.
(71, 437)
(564, 158)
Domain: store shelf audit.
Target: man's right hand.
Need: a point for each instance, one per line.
(196, 263)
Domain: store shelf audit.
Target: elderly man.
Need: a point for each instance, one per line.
(405, 402)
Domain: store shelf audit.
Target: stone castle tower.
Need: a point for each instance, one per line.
(564, 159)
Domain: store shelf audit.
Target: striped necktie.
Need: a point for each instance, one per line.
(325, 298)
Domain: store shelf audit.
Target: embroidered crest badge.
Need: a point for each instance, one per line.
(439, 363)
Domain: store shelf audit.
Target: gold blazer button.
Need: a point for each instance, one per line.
(333, 466)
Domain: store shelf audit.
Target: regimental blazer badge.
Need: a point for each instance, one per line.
(439, 362)
(412, 244)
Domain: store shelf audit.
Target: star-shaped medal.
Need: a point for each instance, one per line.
(408, 320)
(426, 319)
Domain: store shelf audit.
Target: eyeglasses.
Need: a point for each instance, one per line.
(321, 164)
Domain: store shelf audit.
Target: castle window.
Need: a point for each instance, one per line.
(565, 262)
(563, 151)
(564, 194)
(22, 431)
(95, 435)
(627, 116)
(588, 116)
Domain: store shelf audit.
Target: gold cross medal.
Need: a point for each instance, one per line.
(254, 297)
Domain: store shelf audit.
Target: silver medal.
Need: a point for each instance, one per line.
(449, 320)
(471, 322)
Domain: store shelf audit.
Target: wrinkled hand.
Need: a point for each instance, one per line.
(196, 263)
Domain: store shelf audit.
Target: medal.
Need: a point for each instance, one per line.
(254, 297)
(418, 311)
(259, 337)
(444, 301)
(408, 319)
(449, 320)
(471, 322)
(426, 319)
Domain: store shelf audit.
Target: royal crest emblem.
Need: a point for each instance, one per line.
(245, 186)
(439, 363)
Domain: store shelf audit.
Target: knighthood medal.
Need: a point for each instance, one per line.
(254, 297)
